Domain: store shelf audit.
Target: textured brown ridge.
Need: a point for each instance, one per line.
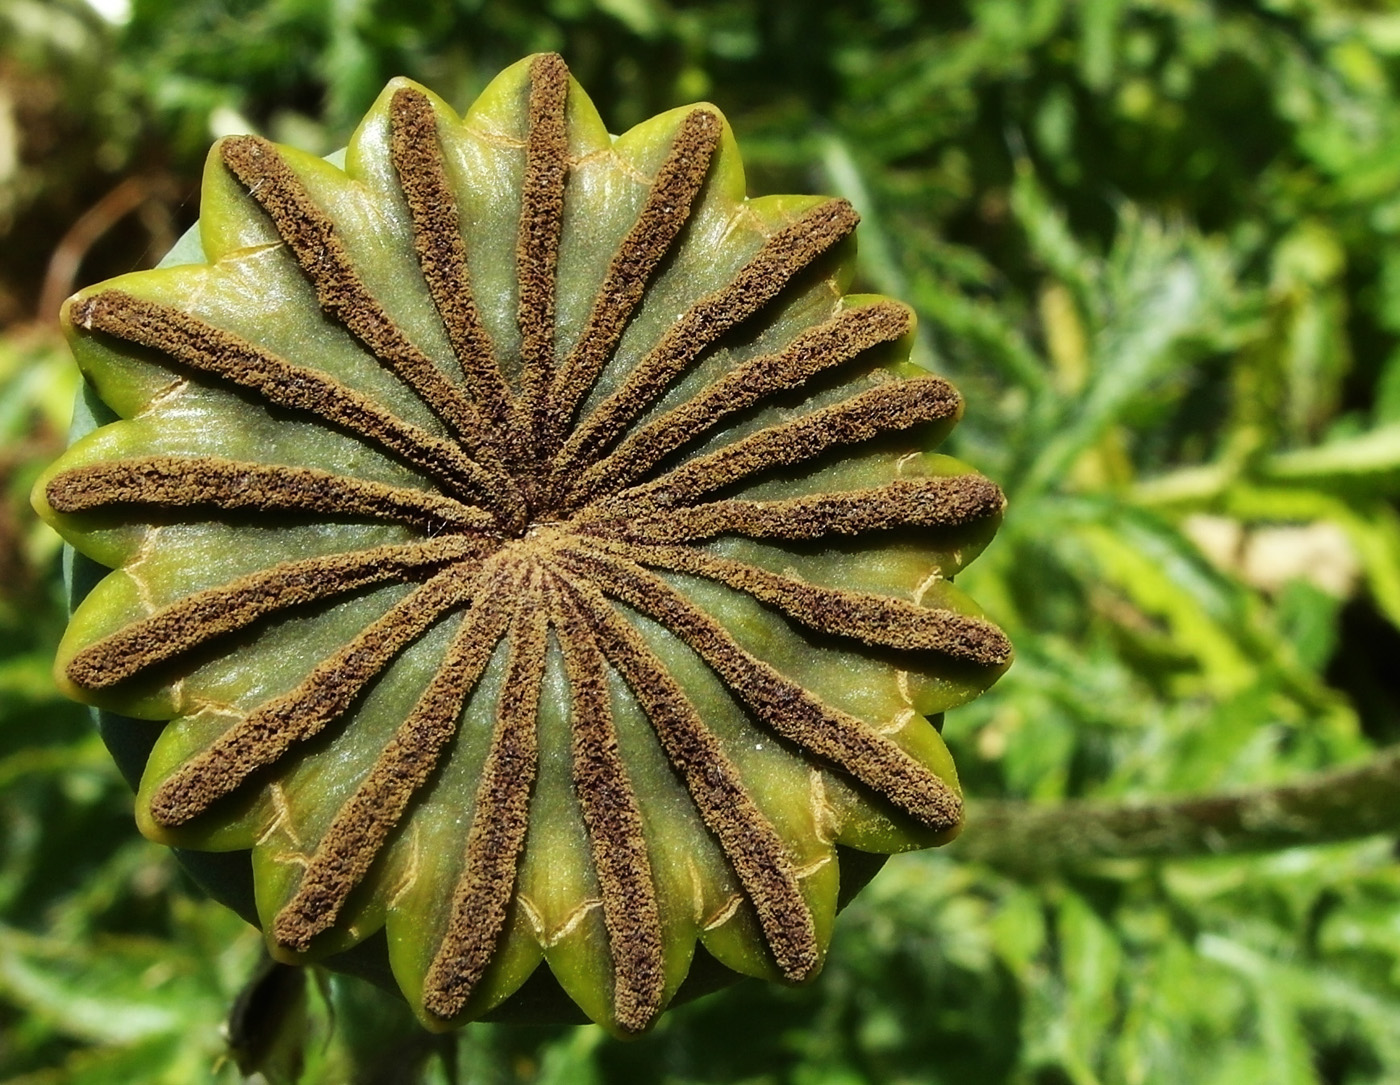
(548, 507)
(437, 239)
(788, 709)
(212, 482)
(541, 221)
(887, 408)
(953, 502)
(614, 824)
(873, 619)
(500, 817)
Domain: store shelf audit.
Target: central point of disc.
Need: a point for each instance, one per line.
(544, 532)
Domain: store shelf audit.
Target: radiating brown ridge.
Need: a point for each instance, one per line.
(544, 521)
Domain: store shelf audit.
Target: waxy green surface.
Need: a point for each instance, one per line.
(244, 280)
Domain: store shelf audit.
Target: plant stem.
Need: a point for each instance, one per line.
(1340, 804)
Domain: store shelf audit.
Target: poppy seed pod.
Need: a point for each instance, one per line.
(524, 548)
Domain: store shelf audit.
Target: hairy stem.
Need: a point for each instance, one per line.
(1324, 807)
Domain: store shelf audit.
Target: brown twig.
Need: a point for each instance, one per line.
(132, 194)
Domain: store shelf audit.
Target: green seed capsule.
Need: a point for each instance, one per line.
(533, 551)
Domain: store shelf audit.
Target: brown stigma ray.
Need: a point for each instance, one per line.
(207, 349)
(202, 616)
(891, 407)
(758, 282)
(952, 502)
(311, 236)
(500, 820)
(613, 821)
(833, 343)
(541, 223)
(872, 619)
(263, 736)
(753, 847)
(363, 824)
(791, 711)
(210, 482)
(416, 152)
(667, 207)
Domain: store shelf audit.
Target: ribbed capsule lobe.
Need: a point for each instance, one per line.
(871, 619)
(892, 407)
(789, 710)
(613, 514)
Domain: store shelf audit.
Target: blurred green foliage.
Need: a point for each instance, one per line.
(1156, 244)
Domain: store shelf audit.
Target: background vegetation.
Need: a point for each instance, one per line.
(1156, 244)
